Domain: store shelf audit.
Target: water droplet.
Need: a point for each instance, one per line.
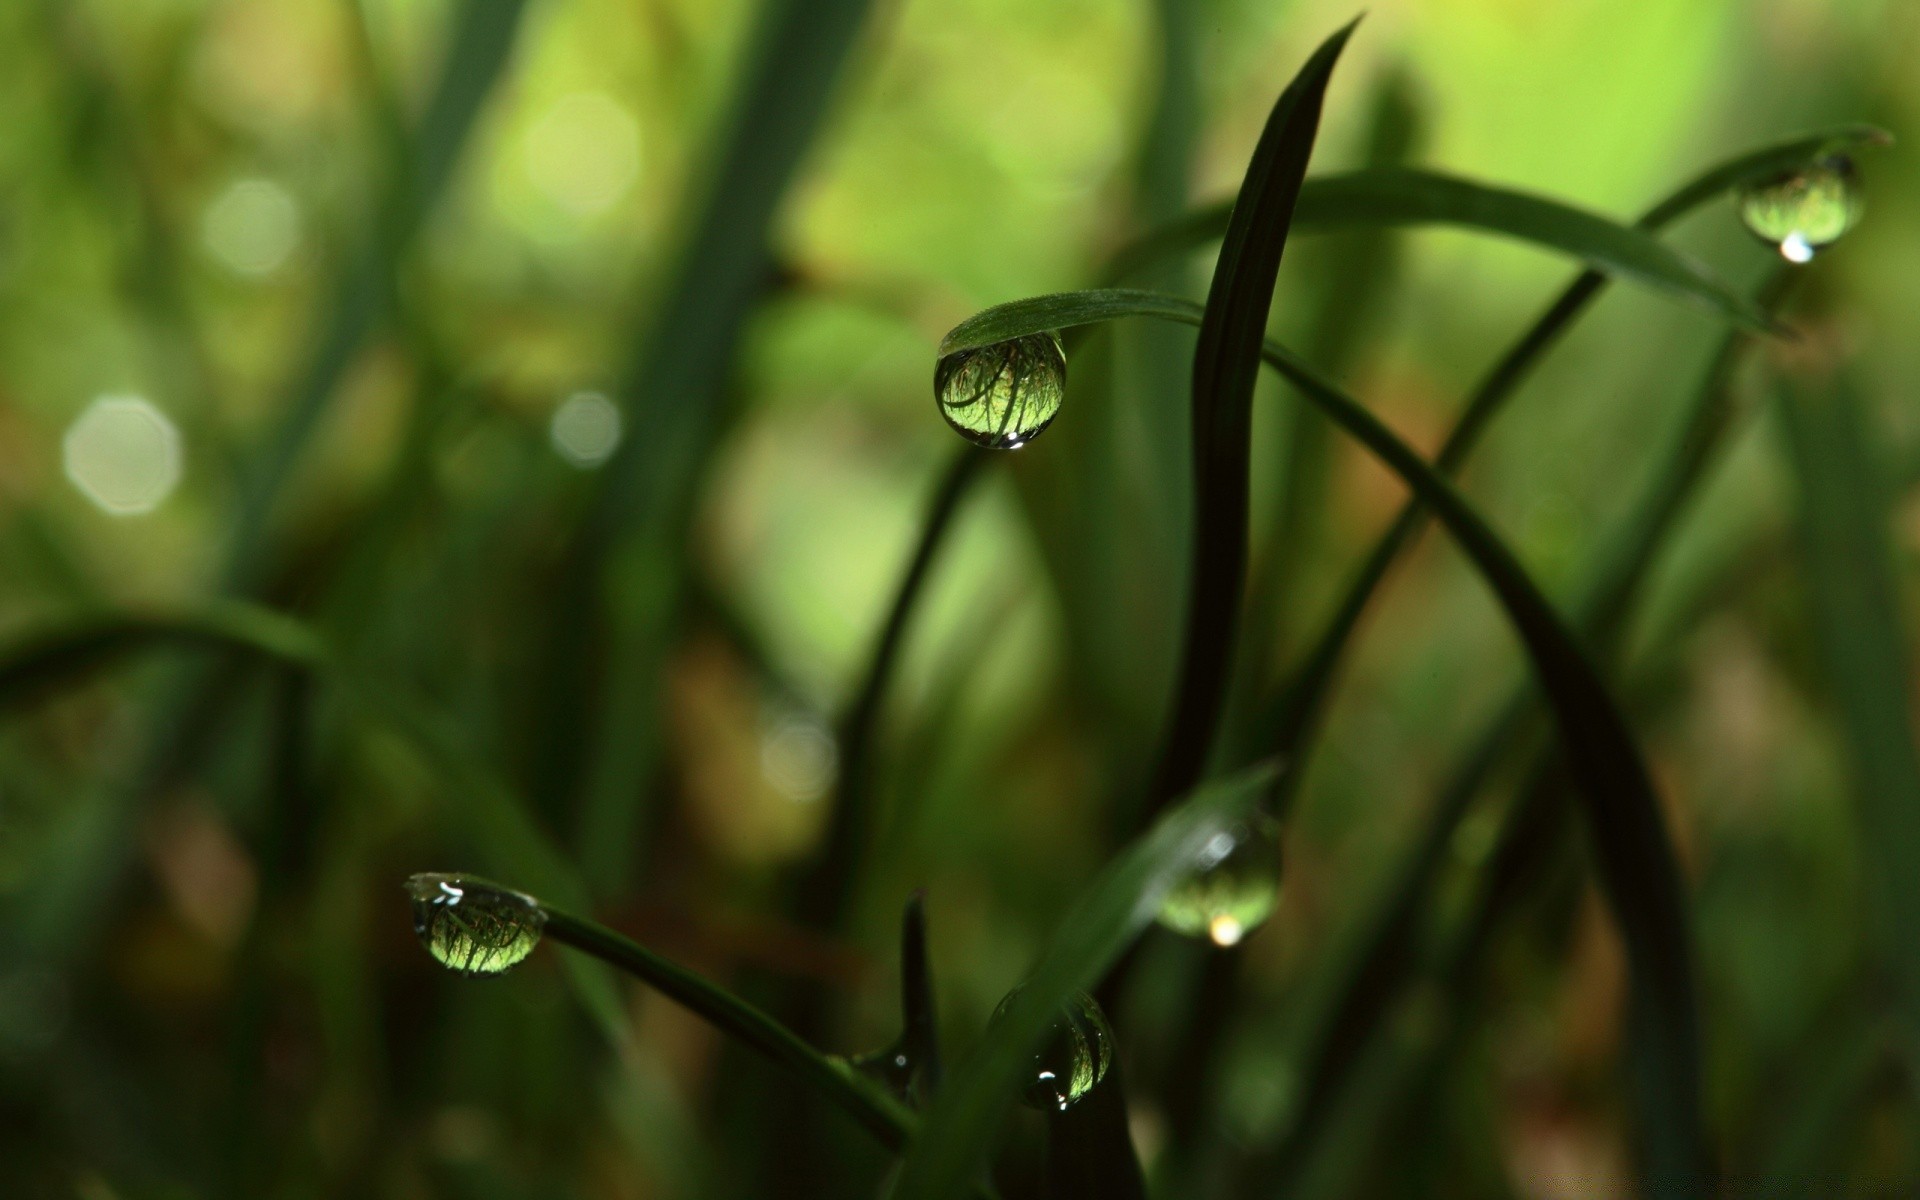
(1802, 210)
(1001, 396)
(472, 926)
(1074, 1058)
(1233, 887)
(891, 1067)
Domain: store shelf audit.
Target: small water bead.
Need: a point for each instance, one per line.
(1233, 887)
(1002, 395)
(1075, 1057)
(1802, 210)
(472, 926)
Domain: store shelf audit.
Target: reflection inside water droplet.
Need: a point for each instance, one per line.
(1803, 210)
(472, 926)
(1001, 396)
(1075, 1057)
(1233, 887)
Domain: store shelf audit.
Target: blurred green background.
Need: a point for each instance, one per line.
(220, 219)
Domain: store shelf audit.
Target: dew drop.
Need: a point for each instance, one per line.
(1074, 1058)
(1232, 888)
(472, 926)
(1002, 395)
(1803, 210)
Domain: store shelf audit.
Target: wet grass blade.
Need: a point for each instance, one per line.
(1375, 969)
(1395, 196)
(960, 1127)
(1845, 524)
(876, 1112)
(1636, 862)
(1226, 365)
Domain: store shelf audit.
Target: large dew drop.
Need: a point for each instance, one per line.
(1001, 396)
(1233, 887)
(1802, 210)
(472, 926)
(1075, 1057)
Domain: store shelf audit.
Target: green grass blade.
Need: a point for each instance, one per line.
(1637, 866)
(1845, 524)
(672, 389)
(961, 1125)
(834, 1080)
(829, 881)
(1396, 196)
(920, 1025)
(480, 46)
(1374, 970)
(1226, 365)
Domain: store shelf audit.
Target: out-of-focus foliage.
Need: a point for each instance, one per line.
(208, 983)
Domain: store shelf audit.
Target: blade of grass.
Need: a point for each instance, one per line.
(920, 1028)
(829, 880)
(478, 50)
(1226, 365)
(954, 1139)
(1090, 1154)
(1296, 711)
(1845, 522)
(832, 1079)
(1381, 957)
(672, 388)
(1637, 866)
(1390, 196)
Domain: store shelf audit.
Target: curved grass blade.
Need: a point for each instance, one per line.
(1845, 521)
(875, 1111)
(1374, 971)
(1637, 865)
(1226, 365)
(1390, 196)
(1297, 710)
(959, 1128)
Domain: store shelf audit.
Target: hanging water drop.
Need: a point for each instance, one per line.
(1233, 886)
(1075, 1057)
(1002, 395)
(1802, 210)
(472, 926)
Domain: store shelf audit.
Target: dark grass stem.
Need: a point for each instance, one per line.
(828, 884)
(832, 1079)
(1226, 366)
(1377, 973)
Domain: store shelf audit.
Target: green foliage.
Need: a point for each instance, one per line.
(496, 436)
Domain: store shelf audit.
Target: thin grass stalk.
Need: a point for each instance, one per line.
(829, 883)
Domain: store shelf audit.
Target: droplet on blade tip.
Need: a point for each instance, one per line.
(472, 926)
(1003, 395)
(1232, 888)
(1073, 1060)
(1803, 210)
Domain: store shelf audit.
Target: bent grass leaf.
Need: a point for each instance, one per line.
(961, 1125)
(1399, 196)
(1638, 869)
(1226, 365)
